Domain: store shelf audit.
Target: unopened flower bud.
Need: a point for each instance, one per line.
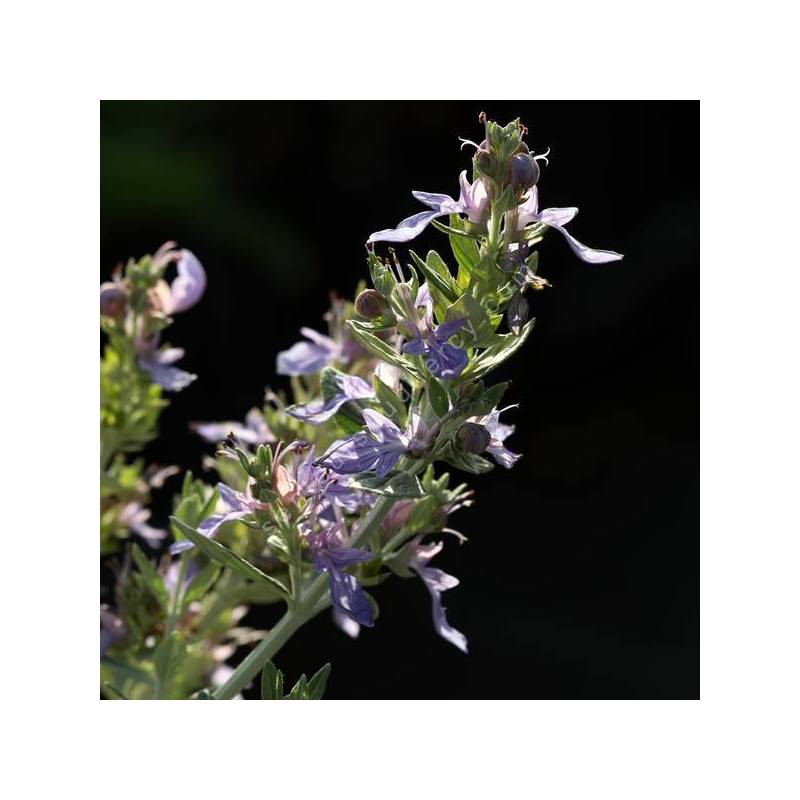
(524, 171)
(371, 304)
(473, 438)
(398, 516)
(113, 300)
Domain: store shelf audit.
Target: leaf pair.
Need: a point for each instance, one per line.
(304, 689)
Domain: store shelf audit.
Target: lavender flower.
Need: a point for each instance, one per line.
(472, 201)
(306, 358)
(442, 359)
(190, 284)
(240, 504)
(437, 582)
(499, 433)
(557, 218)
(170, 577)
(112, 629)
(331, 556)
(254, 431)
(159, 363)
(325, 488)
(134, 517)
(349, 387)
(378, 448)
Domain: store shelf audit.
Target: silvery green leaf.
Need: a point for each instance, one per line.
(465, 250)
(476, 465)
(151, 578)
(226, 557)
(378, 348)
(390, 401)
(438, 397)
(271, 682)
(504, 347)
(437, 274)
(401, 484)
(318, 682)
(477, 330)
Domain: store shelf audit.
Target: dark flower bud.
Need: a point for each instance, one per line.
(524, 171)
(517, 314)
(113, 300)
(371, 304)
(473, 438)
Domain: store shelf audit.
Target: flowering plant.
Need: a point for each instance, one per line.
(331, 488)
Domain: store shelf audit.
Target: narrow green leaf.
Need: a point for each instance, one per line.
(477, 330)
(152, 578)
(464, 249)
(505, 346)
(437, 275)
(380, 349)
(168, 655)
(115, 693)
(298, 691)
(226, 557)
(439, 399)
(401, 484)
(271, 682)
(390, 401)
(318, 682)
(202, 582)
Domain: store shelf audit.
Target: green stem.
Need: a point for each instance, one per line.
(296, 617)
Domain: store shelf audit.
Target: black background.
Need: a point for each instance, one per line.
(581, 575)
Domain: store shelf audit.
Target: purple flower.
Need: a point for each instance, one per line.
(189, 286)
(331, 556)
(499, 433)
(437, 582)
(472, 201)
(112, 629)
(557, 218)
(159, 363)
(254, 431)
(134, 517)
(349, 387)
(378, 448)
(443, 360)
(306, 358)
(170, 577)
(240, 504)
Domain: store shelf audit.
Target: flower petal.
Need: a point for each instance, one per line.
(407, 229)
(585, 253)
(345, 624)
(317, 411)
(382, 428)
(346, 593)
(303, 358)
(343, 556)
(557, 216)
(190, 284)
(502, 455)
(415, 347)
(445, 360)
(170, 378)
(447, 329)
(437, 582)
(357, 453)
